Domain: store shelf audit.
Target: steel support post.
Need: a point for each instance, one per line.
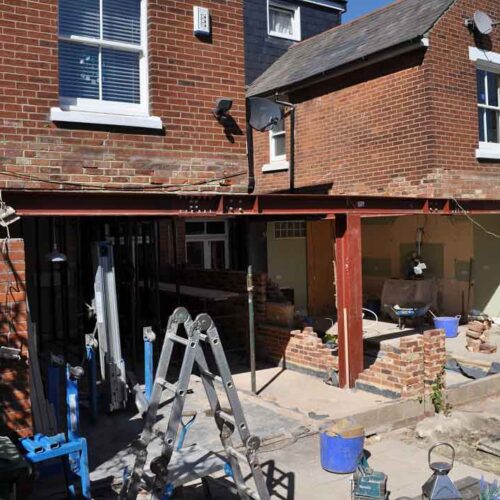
(349, 297)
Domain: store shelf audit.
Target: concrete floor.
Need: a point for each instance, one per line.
(295, 473)
(290, 453)
(308, 395)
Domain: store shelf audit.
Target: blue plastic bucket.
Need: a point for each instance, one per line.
(340, 455)
(448, 324)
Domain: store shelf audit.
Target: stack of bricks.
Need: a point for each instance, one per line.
(477, 337)
(406, 369)
(306, 352)
(15, 417)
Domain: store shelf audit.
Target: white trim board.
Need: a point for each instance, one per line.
(485, 56)
(58, 115)
(327, 4)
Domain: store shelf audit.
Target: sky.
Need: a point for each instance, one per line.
(357, 8)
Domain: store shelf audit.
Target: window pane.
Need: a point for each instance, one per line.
(492, 125)
(279, 145)
(481, 89)
(492, 89)
(482, 134)
(216, 228)
(279, 127)
(195, 227)
(120, 76)
(218, 254)
(122, 20)
(78, 70)
(195, 254)
(280, 21)
(79, 18)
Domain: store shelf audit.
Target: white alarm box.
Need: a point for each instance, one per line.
(201, 21)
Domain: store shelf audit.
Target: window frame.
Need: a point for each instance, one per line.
(488, 62)
(288, 228)
(79, 106)
(206, 239)
(296, 24)
(277, 163)
(273, 134)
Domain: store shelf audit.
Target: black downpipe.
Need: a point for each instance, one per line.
(250, 153)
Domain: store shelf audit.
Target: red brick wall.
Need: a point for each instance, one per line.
(452, 88)
(406, 369)
(15, 413)
(297, 350)
(186, 76)
(405, 127)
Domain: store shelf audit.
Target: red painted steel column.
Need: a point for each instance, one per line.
(349, 297)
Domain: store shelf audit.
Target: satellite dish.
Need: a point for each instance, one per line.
(264, 113)
(483, 22)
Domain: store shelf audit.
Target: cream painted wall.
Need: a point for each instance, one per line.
(487, 265)
(382, 239)
(287, 265)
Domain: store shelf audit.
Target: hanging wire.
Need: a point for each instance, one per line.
(474, 221)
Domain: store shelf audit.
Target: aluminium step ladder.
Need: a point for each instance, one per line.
(164, 467)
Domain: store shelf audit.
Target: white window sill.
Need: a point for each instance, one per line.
(293, 38)
(488, 151)
(276, 166)
(59, 115)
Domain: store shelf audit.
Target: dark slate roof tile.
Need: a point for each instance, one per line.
(397, 23)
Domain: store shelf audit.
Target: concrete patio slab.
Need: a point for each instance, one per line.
(308, 395)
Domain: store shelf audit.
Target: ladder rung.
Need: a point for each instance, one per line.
(167, 385)
(215, 378)
(236, 454)
(228, 418)
(178, 339)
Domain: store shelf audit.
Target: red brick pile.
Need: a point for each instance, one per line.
(477, 336)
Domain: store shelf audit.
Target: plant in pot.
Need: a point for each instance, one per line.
(330, 340)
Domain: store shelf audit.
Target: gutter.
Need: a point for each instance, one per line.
(420, 42)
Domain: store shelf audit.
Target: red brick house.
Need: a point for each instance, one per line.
(106, 110)
(109, 133)
(386, 108)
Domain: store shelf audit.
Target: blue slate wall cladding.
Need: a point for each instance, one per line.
(261, 50)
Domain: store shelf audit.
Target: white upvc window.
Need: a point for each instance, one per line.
(488, 102)
(277, 149)
(277, 142)
(103, 62)
(283, 20)
(207, 244)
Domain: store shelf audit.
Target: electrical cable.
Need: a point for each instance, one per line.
(163, 187)
(474, 221)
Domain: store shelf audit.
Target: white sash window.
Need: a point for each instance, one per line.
(103, 56)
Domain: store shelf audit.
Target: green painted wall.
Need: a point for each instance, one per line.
(287, 264)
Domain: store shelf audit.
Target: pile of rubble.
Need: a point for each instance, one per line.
(477, 337)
